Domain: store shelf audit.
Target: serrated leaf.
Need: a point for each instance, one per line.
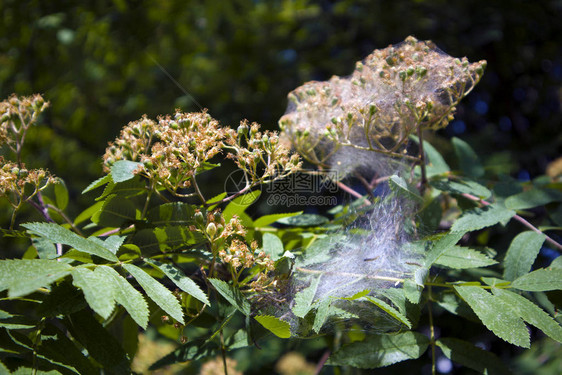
(390, 311)
(124, 189)
(97, 183)
(272, 246)
(521, 254)
(24, 276)
(182, 281)
(466, 354)
(122, 170)
(412, 291)
(460, 187)
(399, 185)
(305, 297)
(98, 290)
(126, 295)
(101, 345)
(322, 313)
(239, 204)
(496, 315)
(215, 199)
(157, 292)
(232, 295)
(270, 219)
(531, 313)
(533, 198)
(58, 234)
(88, 212)
(441, 246)
(482, 217)
(166, 239)
(381, 350)
(459, 257)
(357, 295)
(46, 249)
(540, 280)
(304, 220)
(277, 326)
(468, 159)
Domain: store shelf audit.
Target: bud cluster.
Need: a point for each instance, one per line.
(17, 114)
(392, 94)
(174, 149)
(19, 184)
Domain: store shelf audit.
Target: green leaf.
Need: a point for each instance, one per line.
(357, 295)
(540, 280)
(304, 220)
(533, 198)
(24, 276)
(46, 249)
(101, 345)
(305, 297)
(97, 183)
(88, 212)
(322, 313)
(441, 246)
(436, 164)
(381, 350)
(182, 281)
(277, 326)
(98, 290)
(126, 295)
(272, 246)
(215, 199)
(115, 212)
(482, 217)
(58, 234)
(61, 194)
(468, 160)
(459, 257)
(521, 254)
(466, 354)
(165, 239)
(232, 295)
(239, 204)
(400, 186)
(460, 187)
(496, 315)
(157, 292)
(390, 311)
(122, 170)
(125, 189)
(531, 313)
(270, 219)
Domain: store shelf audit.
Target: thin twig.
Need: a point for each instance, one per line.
(321, 363)
(519, 219)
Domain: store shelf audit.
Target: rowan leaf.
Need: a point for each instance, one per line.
(232, 295)
(460, 257)
(98, 290)
(540, 280)
(521, 254)
(482, 217)
(496, 315)
(157, 292)
(466, 354)
(24, 276)
(304, 298)
(390, 311)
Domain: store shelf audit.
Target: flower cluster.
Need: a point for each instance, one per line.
(17, 114)
(21, 184)
(174, 149)
(393, 93)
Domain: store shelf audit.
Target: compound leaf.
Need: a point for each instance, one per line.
(459, 257)
(482, 217)
(539, 281)
(98, 290)
(157, 292)
(390, 311)
(496, 315)
(270, 219)
(232, 295)
(304, 298)
(182, 281)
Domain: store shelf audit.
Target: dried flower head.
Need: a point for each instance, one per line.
(390, 95)
(19, 184)
(174, 149)
(17, 114)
